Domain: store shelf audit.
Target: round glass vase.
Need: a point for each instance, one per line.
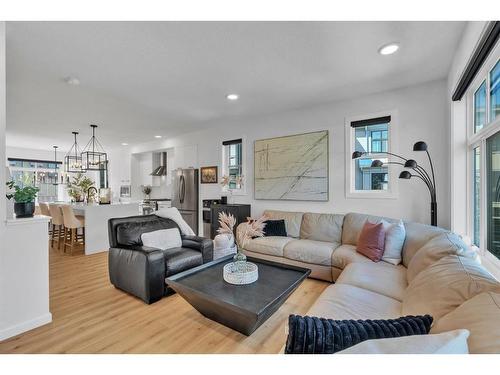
(240, 260)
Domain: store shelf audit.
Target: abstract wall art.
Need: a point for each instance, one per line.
(293, 167)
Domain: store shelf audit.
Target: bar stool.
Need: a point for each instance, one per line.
(57, 225)
(71, 225)
(44, 210)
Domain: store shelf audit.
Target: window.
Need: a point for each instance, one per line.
(495, 92)
(371, 139)
(39, 173)
(484, 155)
(493, 194)
(480, 107)
(232, 166)
(373, 136)
(476, 195)
(379, 140)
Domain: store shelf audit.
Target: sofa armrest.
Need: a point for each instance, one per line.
(139, 271)
(203, 245)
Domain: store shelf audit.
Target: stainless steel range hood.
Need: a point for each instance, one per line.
(162, 169)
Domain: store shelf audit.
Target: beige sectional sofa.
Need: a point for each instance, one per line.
(438, 275)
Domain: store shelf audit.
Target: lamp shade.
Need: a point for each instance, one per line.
(94, 158)
(73, 159)
(410, 163)
(405, 175)
(420, 146)
(357, 154)
(377, 164)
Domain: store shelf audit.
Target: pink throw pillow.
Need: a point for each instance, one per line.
(371, 241)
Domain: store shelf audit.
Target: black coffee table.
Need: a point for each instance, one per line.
(241, 307)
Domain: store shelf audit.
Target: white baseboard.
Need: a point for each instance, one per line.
(25, 326)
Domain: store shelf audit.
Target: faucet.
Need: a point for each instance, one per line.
(88, 192)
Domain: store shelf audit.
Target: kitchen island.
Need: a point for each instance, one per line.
(96, 222)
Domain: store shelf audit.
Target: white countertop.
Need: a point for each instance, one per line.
(83, 205)
(28, 220)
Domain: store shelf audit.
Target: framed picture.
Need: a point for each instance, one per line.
(208, 175)
(293, 167)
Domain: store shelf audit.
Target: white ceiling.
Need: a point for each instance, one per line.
(140, 79)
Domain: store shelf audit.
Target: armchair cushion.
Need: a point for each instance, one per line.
(162, 239)
(181, 259)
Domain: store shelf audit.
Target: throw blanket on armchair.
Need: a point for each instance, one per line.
(311, 335)
(173, 213)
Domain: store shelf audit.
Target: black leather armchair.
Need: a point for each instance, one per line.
(141, 270)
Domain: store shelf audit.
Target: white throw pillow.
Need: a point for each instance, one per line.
(452, 342)
(394, 240)
(162, 239)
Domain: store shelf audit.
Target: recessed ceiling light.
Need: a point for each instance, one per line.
(124, 144)
(157, 136)
(388, 49)
(232, 97)
(72, 81)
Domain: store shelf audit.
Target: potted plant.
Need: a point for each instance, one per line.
(79, 186)
(24, 198)
(146, 190)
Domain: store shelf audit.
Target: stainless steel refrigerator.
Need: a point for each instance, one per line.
(185, 195)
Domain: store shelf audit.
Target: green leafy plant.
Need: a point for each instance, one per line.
(22, 194)
(79, 186)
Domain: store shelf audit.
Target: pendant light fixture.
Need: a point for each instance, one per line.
(56, 174)
(94, 158)
(73, 159)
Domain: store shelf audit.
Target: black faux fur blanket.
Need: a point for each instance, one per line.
(311, 335)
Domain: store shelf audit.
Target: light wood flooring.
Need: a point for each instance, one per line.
(91, 316)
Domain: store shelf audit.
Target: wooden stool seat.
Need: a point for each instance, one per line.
(71, 225)
(57, 225)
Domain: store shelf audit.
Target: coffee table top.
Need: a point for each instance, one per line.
(275, 281)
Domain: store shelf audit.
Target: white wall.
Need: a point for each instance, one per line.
(24, 266)
(422, 116)
(3, 82)
(458, 130)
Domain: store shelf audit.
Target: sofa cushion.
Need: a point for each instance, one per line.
(275, 228)
(308, 251)
(481, 316)
(353, 224)
(268, 245)
(180, 259)
(445, 285)
(371, 241)
(438, 247)
(293, 220)
(346, 254)
(318, 271)
(322, 227)
(380, 278)
(417, 235)
(343, 301)
(394, 240)
(454, 342)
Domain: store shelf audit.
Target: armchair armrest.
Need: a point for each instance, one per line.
(203, 245)
(138, 270)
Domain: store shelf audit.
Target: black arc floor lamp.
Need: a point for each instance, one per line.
(420, 172)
